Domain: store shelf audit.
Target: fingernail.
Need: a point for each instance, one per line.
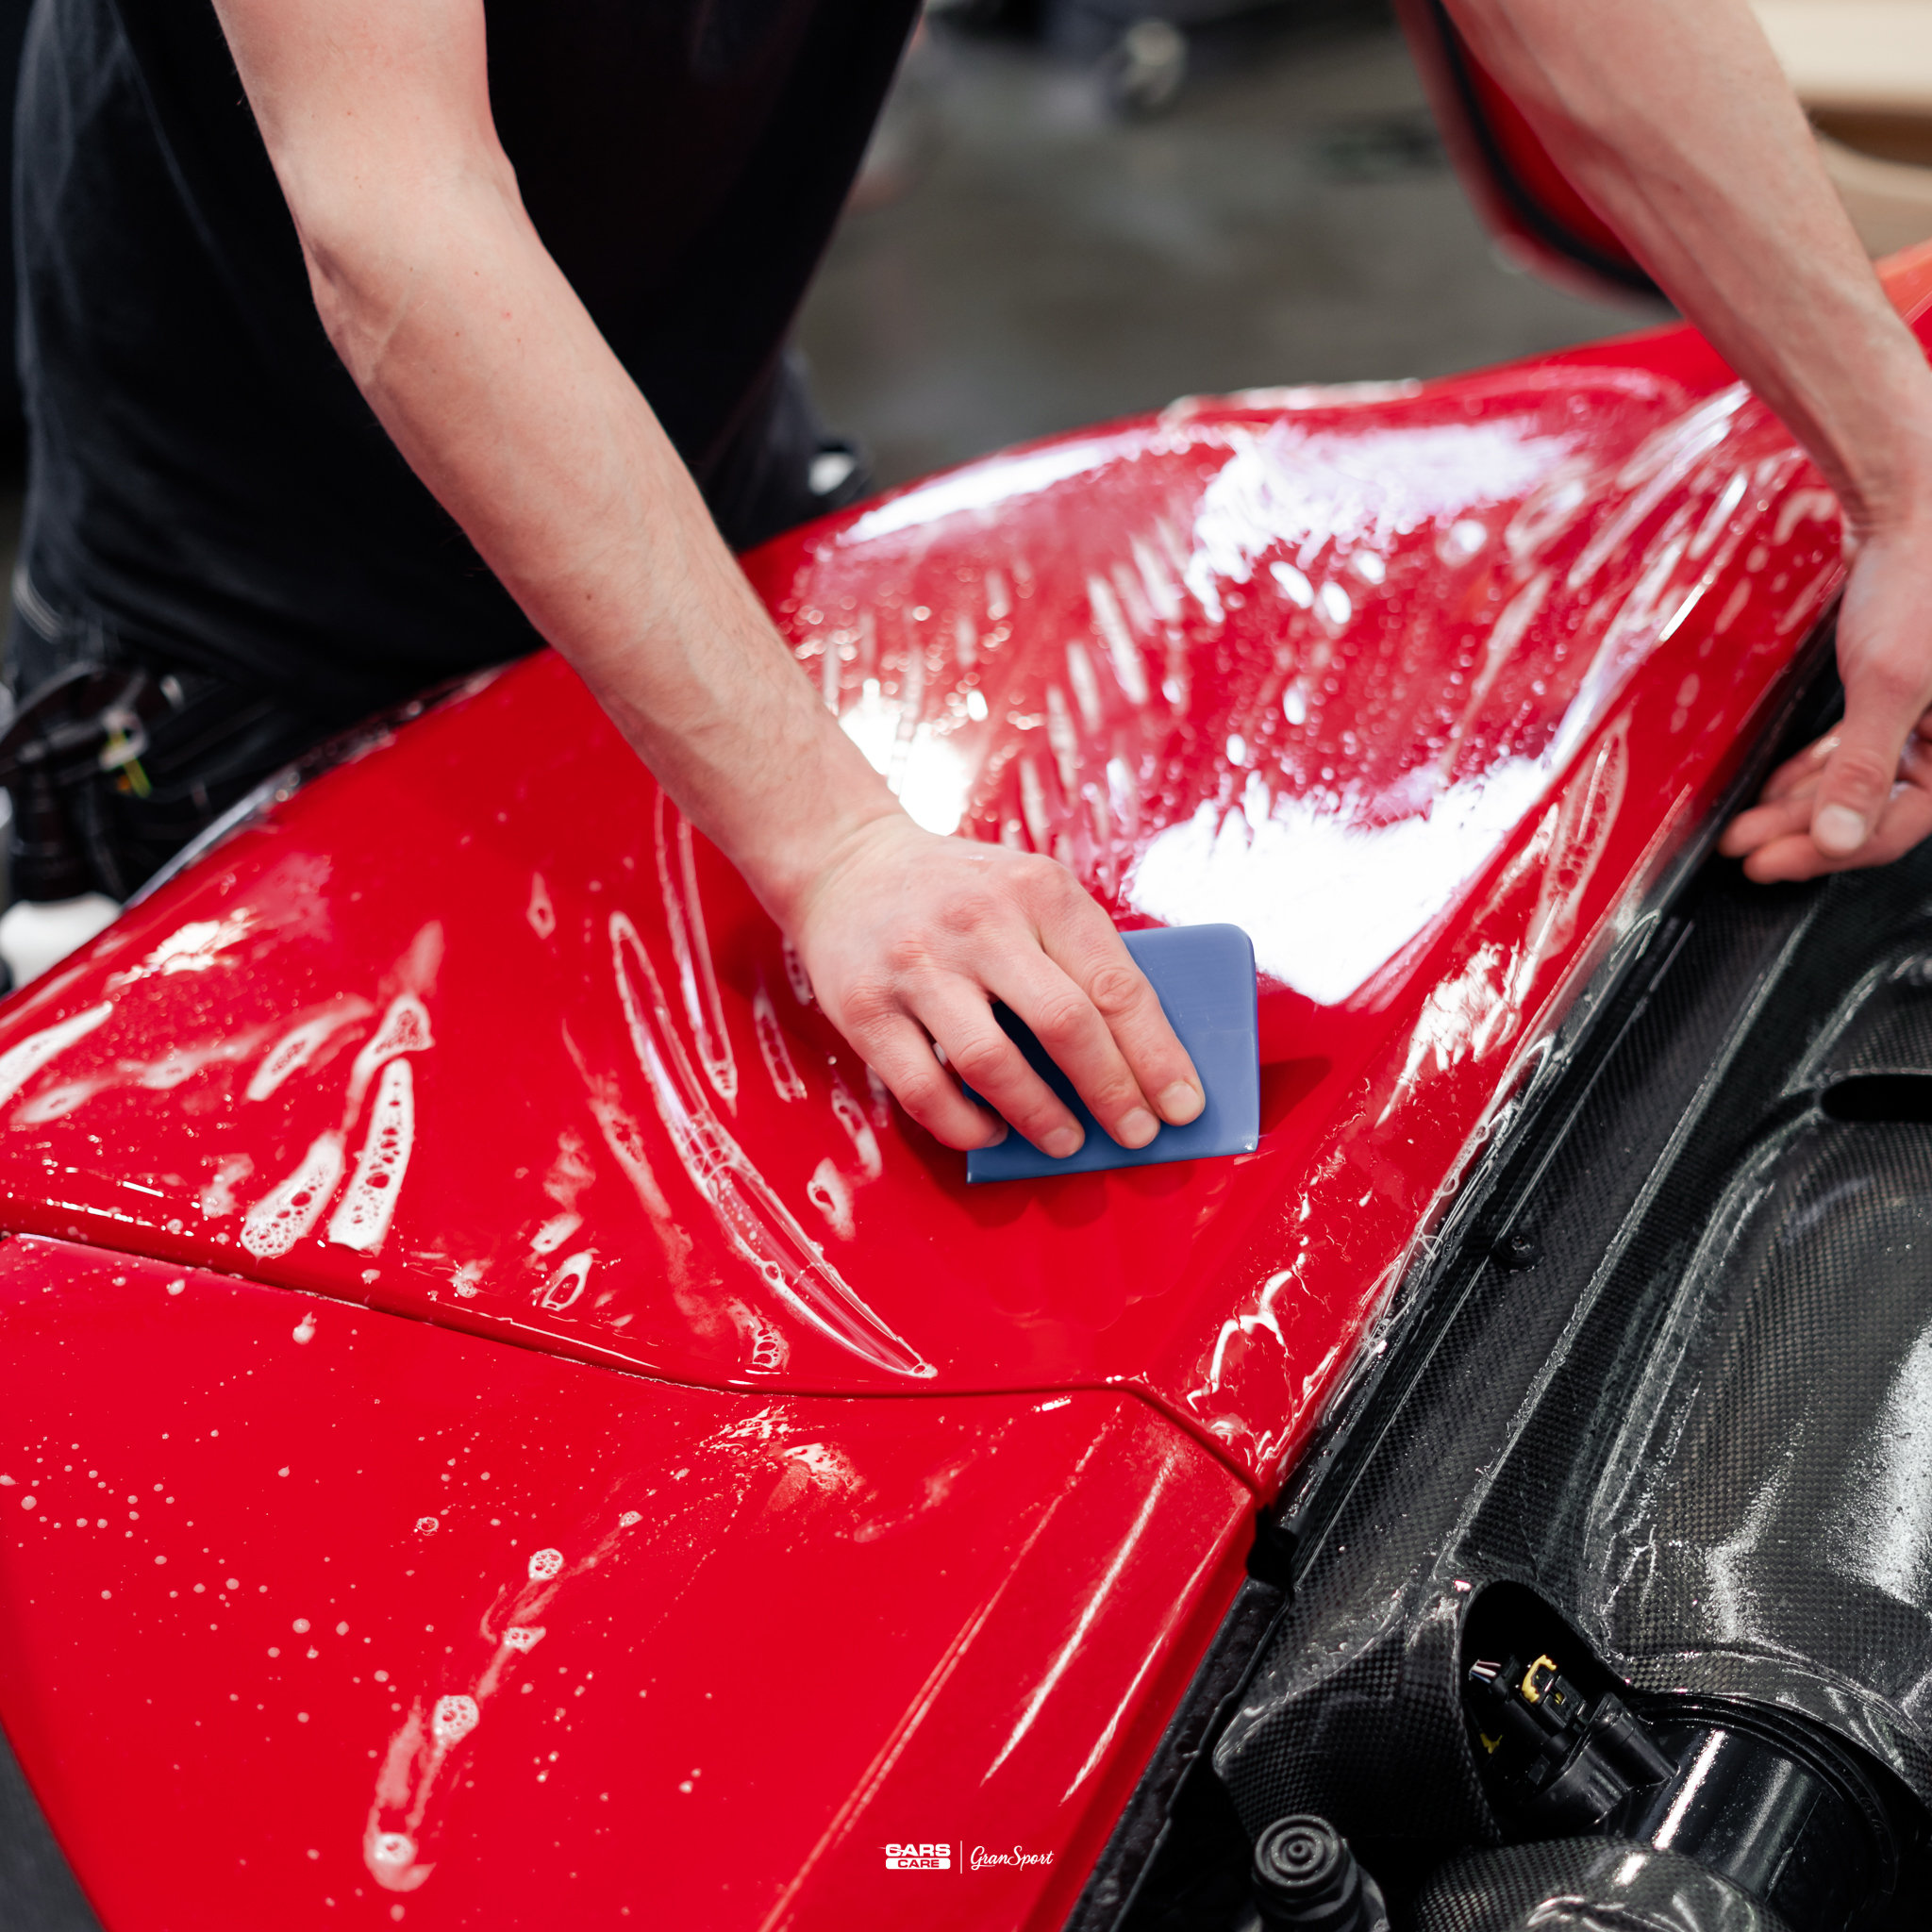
(1137, 1128)
(1181, 1102)
(1837, 829)
(1062, 1143)
(998, 1134)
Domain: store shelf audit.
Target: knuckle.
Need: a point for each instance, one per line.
(1046, 881)
(922, 1094)
(909, 955)
(1862, 768)
(972, 917)
(1116, 990)
(1036, 1115)
(981, 1059)
(1894, 682)
(868, 1005)
(1109, 1099)
(1061, 1016)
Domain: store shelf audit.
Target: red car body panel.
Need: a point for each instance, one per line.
(312, 1612)
(1425, 687)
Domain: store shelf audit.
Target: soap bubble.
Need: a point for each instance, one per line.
(456, 1717)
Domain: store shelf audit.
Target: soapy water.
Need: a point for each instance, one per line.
(851, 1116)
(767, 1350)
(564, 1287)
(400, 1818)
(26, 1057)
(455, 1717)
(749, 1212)
(555, 1232)
(772, 1046)
(300, 1044)
(291, 1210)
(691, 946)
(541, 914)
(369, 1203)
(830, 1192)
(405, 1028)
(217, 1199)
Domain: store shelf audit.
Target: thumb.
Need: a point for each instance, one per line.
(1881, 708)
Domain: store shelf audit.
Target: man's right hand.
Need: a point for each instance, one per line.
(909, 938)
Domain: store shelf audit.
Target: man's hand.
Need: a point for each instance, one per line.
(1677, 125)
(908, 937)
(1862, 795)
(483, 365)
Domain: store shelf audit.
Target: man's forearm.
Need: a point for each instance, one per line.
(487, 370)
(1675, 122)
(488, 373)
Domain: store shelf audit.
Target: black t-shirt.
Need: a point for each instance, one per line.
(207, 482)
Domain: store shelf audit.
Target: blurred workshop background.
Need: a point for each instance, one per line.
(1073, 210)
(1079, 209)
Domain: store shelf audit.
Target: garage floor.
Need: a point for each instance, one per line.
(1034, 263)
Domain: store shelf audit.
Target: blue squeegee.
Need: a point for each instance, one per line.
(1205, 976)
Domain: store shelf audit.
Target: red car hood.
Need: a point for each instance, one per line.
(1424, 685)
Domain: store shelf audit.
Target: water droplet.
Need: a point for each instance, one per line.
(544, 1565)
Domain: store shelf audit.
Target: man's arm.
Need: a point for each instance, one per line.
(486, 369)
(1672, 119)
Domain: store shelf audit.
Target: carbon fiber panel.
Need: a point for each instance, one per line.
(1585, 1885)
(1694, 1416)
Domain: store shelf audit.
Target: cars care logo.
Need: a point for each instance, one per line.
(918, 1857)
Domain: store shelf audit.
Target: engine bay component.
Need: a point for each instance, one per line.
(1567, 1760)
(1773, 1806)
(1585, 1885)
(1305, 1879)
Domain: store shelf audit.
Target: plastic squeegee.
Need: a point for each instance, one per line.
(1205, 976)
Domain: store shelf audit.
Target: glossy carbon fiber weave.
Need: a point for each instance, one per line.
(1684, 1414)
(1582, 1885)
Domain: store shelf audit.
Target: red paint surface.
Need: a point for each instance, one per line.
(1423, 687)
(1418, 688)
(781, 1632)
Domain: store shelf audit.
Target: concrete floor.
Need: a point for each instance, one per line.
(1044, 264)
